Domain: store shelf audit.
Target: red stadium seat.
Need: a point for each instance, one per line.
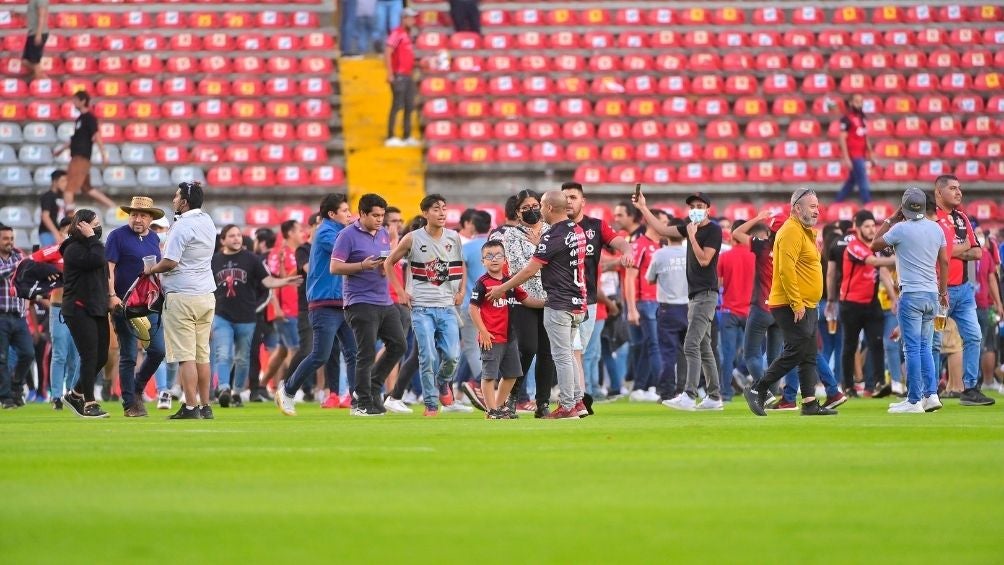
(789, 150)
(531, 40)
(890, 149)
(171, 20)
(171, 154)
(780, 84)
(327, 175)
(441, 154)
(275, 153)
(211, 132)
(840, 210)
(174, 132)
(436, 86)
(491, 18)
(478, 153)
(750, 106)
(958, 149)
(856, 83)
(510, 131)
(685, 151)
(473, 109)
(796, 171)
(983, 210)
(739, 85)
(241, 153)
(737, 62)
(682, 129)
(945, 126)
(437, 108)
(570, 86)
(72, 85)
(692, 173)
(244, 131)
(469, 86)
(898, 38)
(833, 39)
(590, 174)
(591, 40)
(658, 174)
(633, 40)
(704, 62)
(849, 15)
(86, 42)
(930, 37)
(712, 106)
(105, 20)
(261, 215)
(818, 83)
(845, 61)
(970, 171)
(881, 210)
(990, 149)
(986, 13)
(880, 127)
(507, 108)
(143, 110)
(988, 82)
(578, 130)
(140, 132)
(994, 37)
(754, 151)
(995, 105)
(581, 151)
(995, 172)
(136, 20)
(677, 106)
(719, 151)
(977, 59)
(771, 16)
(807, 15)
(764, 172)
(465, 40)
(866, 38)
(732, 40)
(224, 176)
(610, 130)
(956, 82)
(574, 108)
(313, 131)
(740, 211)
(673, 85)
(900, 104)
(203, 20)
(766, 39)
(763, 128)
(624, 174)
(934, 104)
(887, 15)
(432, 41)
(279, 132)
(440, 130)
(498, 41)
(467, 64)
(647, 130)
(547, 152)
(900, 171)
(962, 37)
(544, 131)
(788, 106)
(110, 110)
(43, 110)
(637, 63)
(923, 149)
(310, 153)
(617, 151)
(728, 173)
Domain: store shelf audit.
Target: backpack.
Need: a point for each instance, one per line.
(32, 279)
(144, 297)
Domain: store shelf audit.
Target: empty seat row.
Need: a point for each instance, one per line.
(218, 176)
(147, 64)
(48, 110)
(181, 42)
(169, 19)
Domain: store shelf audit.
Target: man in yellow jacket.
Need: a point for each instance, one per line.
(794, 296)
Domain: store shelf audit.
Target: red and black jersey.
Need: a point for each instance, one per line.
(496, 314)
(958, 231)
(598, 235)
(853, 124)
(763, 250)
(562, 250)
(859, 280)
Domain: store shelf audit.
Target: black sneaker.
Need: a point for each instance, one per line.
(308, 396)
(76, 403)
(57, 403)
(224, 398)
(975, 397)
(882, 391)
(93, 410)
(18, 401)
(256, 397)
(206, 412)
(495, 414)
(814, 409)
(365, 411)
(542, 411)
(755, 399)
(236, 401)
(184, 413)
(8, 405)
(587, 400)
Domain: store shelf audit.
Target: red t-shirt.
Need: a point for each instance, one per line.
(399, 273)
(282, 263)
(858, 280)
(402, 52)
(495, 315)
(734, 268)
(763, 252)
(857, 134)
(644, 248)
(49, 254)
(957, 230)
(984, 270)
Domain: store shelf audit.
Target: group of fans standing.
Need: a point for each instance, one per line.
(421, 312)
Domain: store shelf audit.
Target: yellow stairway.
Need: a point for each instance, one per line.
(396, 173)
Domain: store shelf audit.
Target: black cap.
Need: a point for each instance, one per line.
(699, 196)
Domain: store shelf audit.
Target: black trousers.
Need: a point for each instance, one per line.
(465, 15)
(370, 323)
(91, 336)
(855, 317)
(403, 90)
(261, 330)
(799, 350)
(410, 365)
(528, 324)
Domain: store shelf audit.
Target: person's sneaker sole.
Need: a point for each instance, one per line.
(752, 398)
(471, 395)
(986, 401)
(836, 403)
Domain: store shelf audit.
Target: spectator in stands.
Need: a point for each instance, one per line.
(87, 300)
(38, 33)
(855, 150)
(359, 253)
(640, 296)
(704, 242)
(794, 300)
(51, 204)
(189, 302)
(922, 264)
(284, 310)
(237, 274)
(734, 270)
(125, 249)
(989, 307)
(64, 360)
(963, 248)
(400, 60)
(475, 266)
(325, 304)
(435, 288)
(466, 15)
(388, 18)
(668, 270)
(85, 134)
(13, 326)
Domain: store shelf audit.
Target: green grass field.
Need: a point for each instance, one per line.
(636, 483)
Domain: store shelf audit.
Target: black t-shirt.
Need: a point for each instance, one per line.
(562, 250)
(702, 279)
(238, 285)
(82, 141)
(302, 259)
(835, 253)
(49, 202)
(598, 236)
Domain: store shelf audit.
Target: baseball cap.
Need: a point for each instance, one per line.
(914, 204)
(699, 196)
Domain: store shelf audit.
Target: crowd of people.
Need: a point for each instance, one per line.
(546, 314)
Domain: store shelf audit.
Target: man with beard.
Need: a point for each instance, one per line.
(855, 149)
(798, 286)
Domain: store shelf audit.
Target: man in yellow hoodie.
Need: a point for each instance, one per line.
(794, 296)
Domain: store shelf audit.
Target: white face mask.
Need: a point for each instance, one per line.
(697, 215)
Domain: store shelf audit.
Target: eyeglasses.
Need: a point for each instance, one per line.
(528, 208)
(801, 196)
(498, 256)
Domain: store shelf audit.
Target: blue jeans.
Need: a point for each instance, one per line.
(231, 348)
(349, 27)
(388, 18)
(760, 325)
(732, 330)
(438, 339)
(469, 345)
(65, 362)
(916, 324)
(14, 336)
(858, 175)
(591, 359)
(893, 353)
(45, 239)
(645, 339)
(327, 324)
(672, 326)
(132, 381)
(833, 346)
(962, 309)
(615, 361)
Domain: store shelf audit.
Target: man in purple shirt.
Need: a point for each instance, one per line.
(359, 253)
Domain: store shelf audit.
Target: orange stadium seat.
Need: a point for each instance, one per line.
(440, 154)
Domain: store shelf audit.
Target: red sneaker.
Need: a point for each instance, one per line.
(430, 412)
(835, 400)
(784, 405)
(580, 409)
(446, 395)
(528, 407)
(332, 402)
(346, 401)
(563, 413)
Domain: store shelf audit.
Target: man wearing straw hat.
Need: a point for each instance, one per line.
(125, 250)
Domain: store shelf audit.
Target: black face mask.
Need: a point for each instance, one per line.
(530, 217)
(97, 232)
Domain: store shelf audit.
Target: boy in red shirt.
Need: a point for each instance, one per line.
(499, 353)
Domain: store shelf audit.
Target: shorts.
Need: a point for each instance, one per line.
(288, 333)
(33, 51)
(78, 175)
(987, 329)
(501, 361)
(585, 333)
(188, 322)
(951, 341)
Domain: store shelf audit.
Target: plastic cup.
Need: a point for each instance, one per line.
(940, 321)
(149, 261)
(831, 325)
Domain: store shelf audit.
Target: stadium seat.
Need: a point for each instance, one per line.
(787, 150)
(547, 152)
(658, 174)
(651, 151)
(685, 151)
(763, 172)
(153, 177)
(438, 108)
(171, 154)
(796, 172)
(119, 177)
(540, 130)
(137, 154)
(923, 149)
(995, 172)
(11, 132)
(692, 173)
(911, 126)
(509, 131)
(957, 149)
(506, 108)
(262, 216)
(945, 126)
(513, 152)
(33, 132)
(16, 177)
(970, 171)
(582, 152)
(617, 151)
(753, 151)
(990, 149)
(983, 210)
(719, 151)
(469, 86)
(900, 171)
(590, 174)
(498, 41)
(327, 175)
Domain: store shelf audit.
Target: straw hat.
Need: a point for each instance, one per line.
(143, 204)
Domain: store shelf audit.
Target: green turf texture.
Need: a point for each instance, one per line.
(636, 483)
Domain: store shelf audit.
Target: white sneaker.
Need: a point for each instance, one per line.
(638, 396)
(164, 401)
(298, 397)
(457, 408)
(701, 393)
(906, 408)
(710, 404)
(904, 401)
(285, 402)
(898, 388)
(681, 402)
(410, 398)
(396, 406)
(412, 142)
(651, 395)
(931, 403)
(394, 142)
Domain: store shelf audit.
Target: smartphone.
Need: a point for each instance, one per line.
(384, 254)
(637, 190)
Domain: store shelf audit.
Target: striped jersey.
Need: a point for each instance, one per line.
(435, 268)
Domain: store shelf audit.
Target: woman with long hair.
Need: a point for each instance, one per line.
(86, 302)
